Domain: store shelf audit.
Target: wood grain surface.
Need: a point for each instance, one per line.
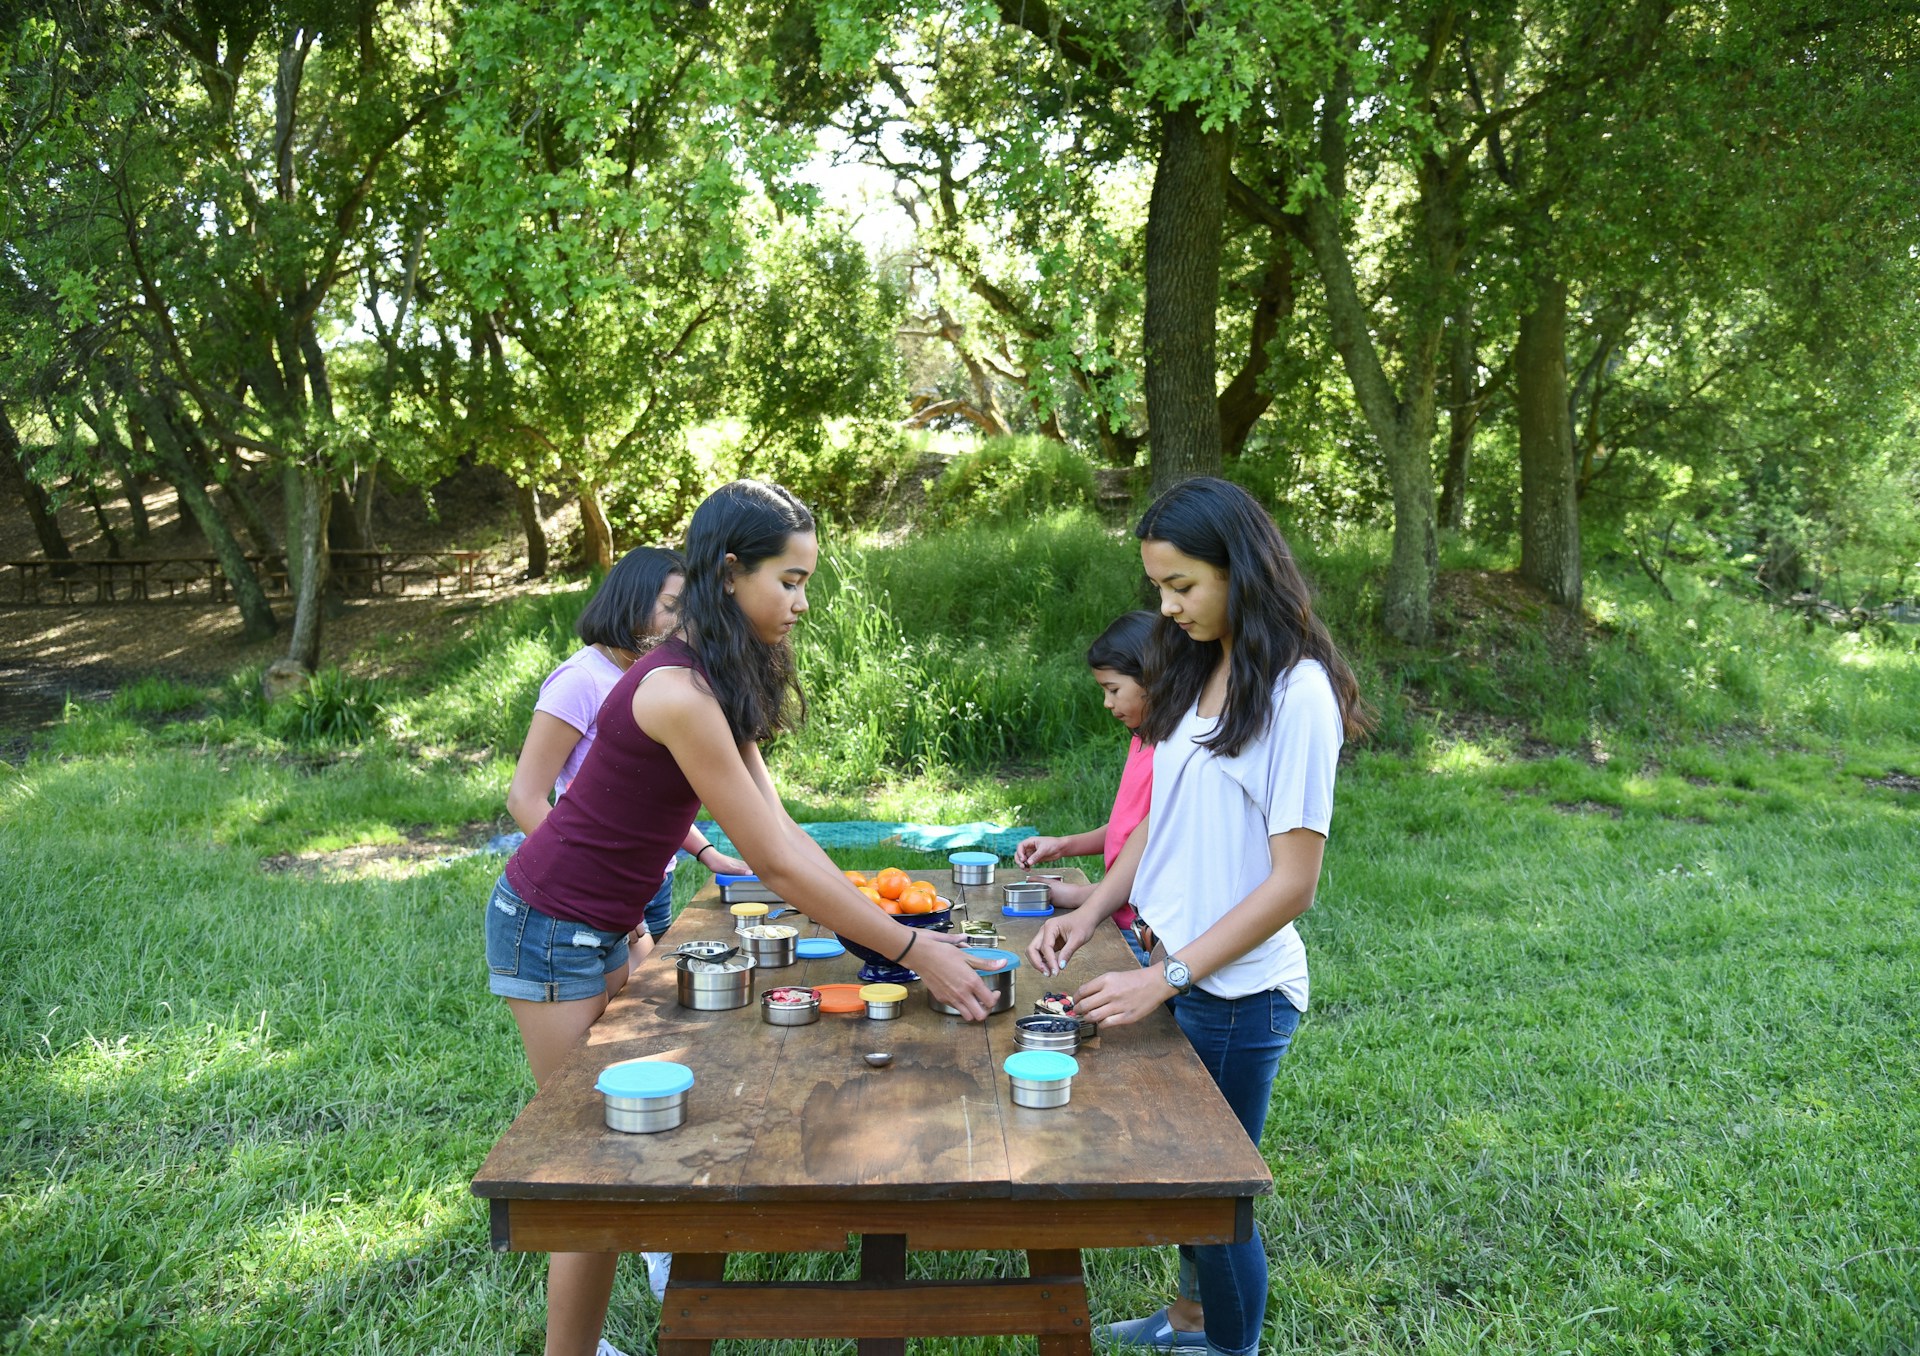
(793, 1115)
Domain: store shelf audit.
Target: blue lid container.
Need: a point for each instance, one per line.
(995, 953)
(973, 859)
(1041, 1066)
(644, 1078)
(818, 948)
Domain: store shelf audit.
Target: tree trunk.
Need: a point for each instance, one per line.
(596, 537)
(256, 617)
(1463, 415)
(136, 460)
(101, 520)
(309, 505)
(53, 543)
(1184, 219)
(343, 534)
(1549, 504)
(1243, 402)
(1403, 427)
(529, 500)
(365, 486)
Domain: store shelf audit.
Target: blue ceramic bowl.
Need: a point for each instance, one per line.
(881, 970)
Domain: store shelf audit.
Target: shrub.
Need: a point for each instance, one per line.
(332, 710)
(1010, 479)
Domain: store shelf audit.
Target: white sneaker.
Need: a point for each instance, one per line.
(659, 1264)
(607, 1348)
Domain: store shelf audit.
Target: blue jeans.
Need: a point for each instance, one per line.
(1240, 1040)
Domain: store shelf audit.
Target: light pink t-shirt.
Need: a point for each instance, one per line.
(573, 693)
(1130, 804)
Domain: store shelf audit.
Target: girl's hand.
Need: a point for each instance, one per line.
(1033, 850)
(1122, 996)
(1058, 939)
(722, 865)
(1066, 894)
(952, 976)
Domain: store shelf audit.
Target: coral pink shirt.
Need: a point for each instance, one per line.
(1130, 804)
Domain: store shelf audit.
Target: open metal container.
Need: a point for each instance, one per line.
(645, 1096)
(772, 945)
(714, 985)
(1047, 1033)
(777, 1010)
(1041, 1078)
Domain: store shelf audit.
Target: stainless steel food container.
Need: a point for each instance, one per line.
(1041, 1078)
(646, 1115)
(884, 1001)
(1040, 1033)
(973, 868)
(999, 982)
(644, 1096)
(1026, 894)
(746, 890)
(986, 936)
(714, 986)
(771, 944)
(706, 950)
(790, 1014)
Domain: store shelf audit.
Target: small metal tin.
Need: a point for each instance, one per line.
(790, 1014)
(884, 1001)
(714, 986)
(1026, 894)
(748, 915)
(745, 890)
(1047, 1033)
(707, 951)
(772, 945)
(1041, 1078)
(645, 1096)
(973, 868)
(999, 983)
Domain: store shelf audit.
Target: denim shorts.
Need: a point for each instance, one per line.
(543, 959)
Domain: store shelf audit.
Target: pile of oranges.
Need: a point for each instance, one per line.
(895, 891)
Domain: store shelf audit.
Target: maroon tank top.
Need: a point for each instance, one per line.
(603, 851)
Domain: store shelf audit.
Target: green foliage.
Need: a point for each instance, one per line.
(333, 710)
(1012, 479)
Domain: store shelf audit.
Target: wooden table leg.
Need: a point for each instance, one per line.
(1066, 1265)
(690, 1270)
(883, 1257)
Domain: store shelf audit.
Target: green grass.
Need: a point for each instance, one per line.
(1612, 1047)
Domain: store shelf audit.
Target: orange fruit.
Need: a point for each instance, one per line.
(857, 877)
(870, 893)
(926, 885)
(891, 881)
(917, 901)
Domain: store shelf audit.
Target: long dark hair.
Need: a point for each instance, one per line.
(752, 680)
(1269, 608)
(1122, 647)
(622, 606)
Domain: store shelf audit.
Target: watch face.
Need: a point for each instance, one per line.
(1178, 975)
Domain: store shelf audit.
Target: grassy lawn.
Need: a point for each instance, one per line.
(1611, 1050)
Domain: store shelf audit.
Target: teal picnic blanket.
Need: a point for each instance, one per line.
(865, 833)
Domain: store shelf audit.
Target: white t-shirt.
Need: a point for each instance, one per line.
(1212, 816)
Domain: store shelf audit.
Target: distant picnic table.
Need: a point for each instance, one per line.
(383, 572)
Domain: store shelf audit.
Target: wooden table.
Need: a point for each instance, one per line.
(792, 1144)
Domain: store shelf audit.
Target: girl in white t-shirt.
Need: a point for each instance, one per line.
(1248, 702)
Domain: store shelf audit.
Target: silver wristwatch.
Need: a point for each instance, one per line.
(1177, 974)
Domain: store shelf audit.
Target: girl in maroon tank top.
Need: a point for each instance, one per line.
(681, 728)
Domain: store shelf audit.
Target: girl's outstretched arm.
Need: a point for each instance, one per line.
(731, 780)
(549, 742)
(1064, 934)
